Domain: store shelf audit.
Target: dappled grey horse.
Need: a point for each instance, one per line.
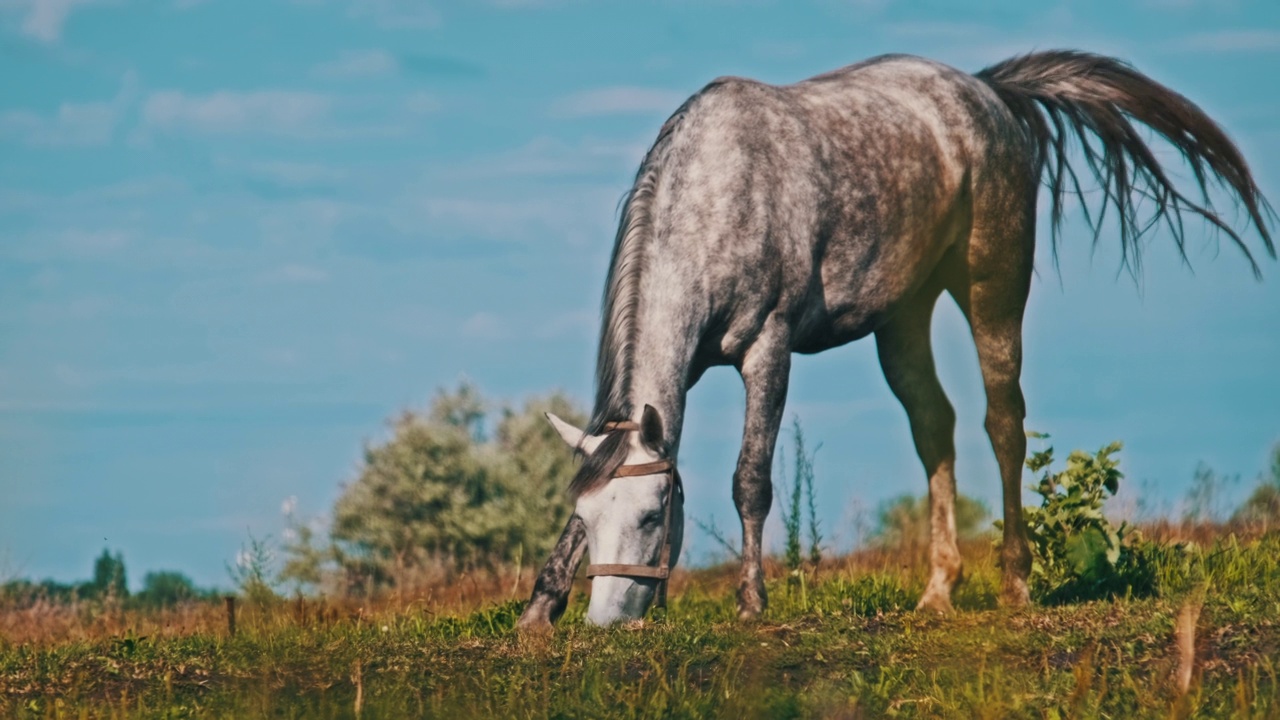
(770, 220)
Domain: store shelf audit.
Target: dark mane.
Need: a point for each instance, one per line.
(621, 300)
(600, 466)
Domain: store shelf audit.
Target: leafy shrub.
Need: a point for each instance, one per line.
(166, 588)
(253, 572)
(903, 522)
(1077, 554)
(443, 496)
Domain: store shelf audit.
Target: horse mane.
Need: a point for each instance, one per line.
(620, 305)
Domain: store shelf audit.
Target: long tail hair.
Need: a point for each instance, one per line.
(1060, 94)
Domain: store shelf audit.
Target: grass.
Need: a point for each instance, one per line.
(843, 642)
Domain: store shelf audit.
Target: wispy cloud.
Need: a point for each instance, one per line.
(355, 64)
(267, 111)
(484, 326)
(939, 29)
(396, 14)
(620, 100)
(283, 172)
(45, 19)
(73, 124)
(71, 245)
(442, 66)
(1233, 41)
(549, 157)
(296, 273)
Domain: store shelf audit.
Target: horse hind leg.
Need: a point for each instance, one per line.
(907, 360)
(994, 301)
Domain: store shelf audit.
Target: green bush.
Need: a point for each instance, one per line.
(166, 588)
(442, 495)
(903, 522)
(1077, 554)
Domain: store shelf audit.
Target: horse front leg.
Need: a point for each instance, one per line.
(551, 589)
(765, 370)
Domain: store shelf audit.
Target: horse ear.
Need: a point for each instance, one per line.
(651, 428)
(576, 439)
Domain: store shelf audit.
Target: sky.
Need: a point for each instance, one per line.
(236, 237)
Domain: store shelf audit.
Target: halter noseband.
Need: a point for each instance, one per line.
(663, 570)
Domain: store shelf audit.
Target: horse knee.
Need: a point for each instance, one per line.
(752, 494)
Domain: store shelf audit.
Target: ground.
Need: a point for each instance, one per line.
(841, 640)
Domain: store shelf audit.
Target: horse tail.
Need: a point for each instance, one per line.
(1059, 94)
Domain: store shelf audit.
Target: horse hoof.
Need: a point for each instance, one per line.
(534, 626)
(1015, 595)
(936, 602)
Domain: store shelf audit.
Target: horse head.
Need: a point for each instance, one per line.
(630, 500)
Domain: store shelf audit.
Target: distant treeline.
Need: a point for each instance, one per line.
(161, 589)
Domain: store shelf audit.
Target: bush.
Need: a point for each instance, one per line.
(903, 522)
(166, 588)
(1077, 554)
(442, 496)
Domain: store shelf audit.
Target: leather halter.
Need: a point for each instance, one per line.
(663, 570)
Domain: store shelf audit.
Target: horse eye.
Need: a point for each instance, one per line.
(651, 518)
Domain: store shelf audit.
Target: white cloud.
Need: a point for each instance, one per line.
(73, 124)
(621, 100)
(421, 103)
(46, 18)
(353, 64)
(1233, 41)
(546, 156)
(284, 172)
(939, 30)
(295, 273)
(73, 244)
(269, 111)
(393, 14)
(484, 326)
(579, 323)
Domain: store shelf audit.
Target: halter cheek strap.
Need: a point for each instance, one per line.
(663, 570)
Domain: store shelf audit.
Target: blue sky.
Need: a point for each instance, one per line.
(235, 237)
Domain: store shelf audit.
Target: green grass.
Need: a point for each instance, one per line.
(843, 644)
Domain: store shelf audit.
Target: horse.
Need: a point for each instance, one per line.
(767, 220)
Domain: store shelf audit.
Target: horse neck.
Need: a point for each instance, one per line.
(667, 330)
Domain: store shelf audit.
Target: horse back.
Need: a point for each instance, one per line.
(832, 199)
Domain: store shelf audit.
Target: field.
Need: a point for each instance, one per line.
(838, 641)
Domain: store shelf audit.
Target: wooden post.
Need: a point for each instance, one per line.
(231, 615)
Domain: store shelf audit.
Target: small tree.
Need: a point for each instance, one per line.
(442, 496)
(109, 579)
(253, 572)
(166, 589)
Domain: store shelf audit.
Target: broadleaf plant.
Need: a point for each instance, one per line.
(1077, 553)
